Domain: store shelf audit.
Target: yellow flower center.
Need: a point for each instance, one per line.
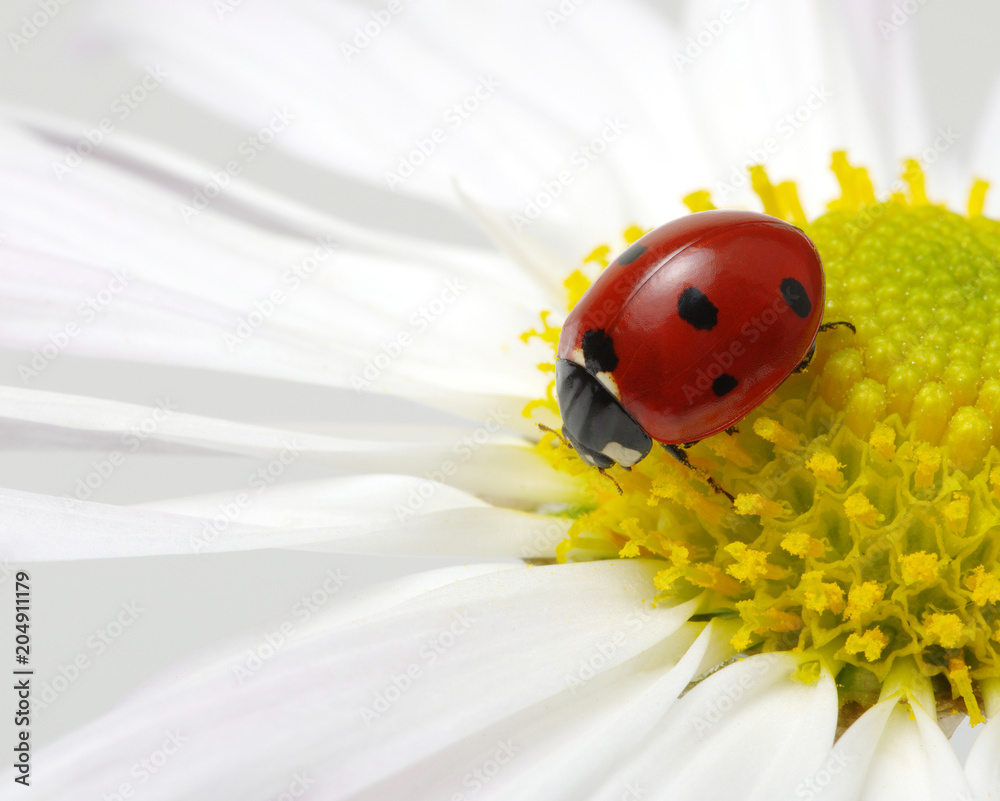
(868, 487)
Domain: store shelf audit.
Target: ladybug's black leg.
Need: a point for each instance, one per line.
(732, 430)
(812, 348)
(678, 452)
(807, 360)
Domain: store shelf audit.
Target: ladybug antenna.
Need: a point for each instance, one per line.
(601, 470)
(828, 326)
(547, 430)
(609, 477)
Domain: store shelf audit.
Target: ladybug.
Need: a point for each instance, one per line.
(685, 333)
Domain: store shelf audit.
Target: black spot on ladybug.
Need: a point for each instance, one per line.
(631, 254)
(696, 309)
(795, 296)
(724, 384)
(599, 351)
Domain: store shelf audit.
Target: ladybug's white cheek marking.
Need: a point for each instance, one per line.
(626, 457)
(608, 380)
(578, 357)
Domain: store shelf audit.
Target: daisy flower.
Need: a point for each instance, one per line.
(816, 638)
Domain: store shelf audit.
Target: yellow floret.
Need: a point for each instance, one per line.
(928, 463)
(985, 587)
(946, 628)
(629, 550)
(774, 432)
(750, 564)
(870, 643)
(918, 568)
(799, 543)
(861, 599)
(956, 513)
(883, 440)
(818, 595)
(753, 504)
(958, 675)
(826, 466)
(858, 507)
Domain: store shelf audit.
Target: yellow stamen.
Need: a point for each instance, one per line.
(576, 284)
(918, 568)
(855, 185)
(914, 176)
(818, 595)
(774, 432)
(710, 577)
(870, 643)
(985, 587)
(760, 617)
(958, 675)
(883, 440)
(861, 599)
(630, 550)
(765, 191)
(729, 450)
(858, 507)
(599, 255)
(634, 232)
(946, 628)
(787, 195)
(928, 463)
(750, 564)
(977, 197)
(749, 503)
(699, 201)
(801, 544)
(826, 467)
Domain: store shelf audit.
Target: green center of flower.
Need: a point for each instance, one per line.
(867, 515)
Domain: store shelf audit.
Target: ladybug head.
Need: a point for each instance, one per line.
(595, 422)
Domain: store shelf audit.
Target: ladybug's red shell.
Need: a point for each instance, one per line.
(695, 324)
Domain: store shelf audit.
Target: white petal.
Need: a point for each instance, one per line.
(768, 730)
(467, 656)
(365, 514)
(914, 760)
(565, 748)
(982, 767)
(784, 84)
(406, 84)
(665, 121)
(842, 774)
(391, 515)
(106, 266)
(985, 159)
(482, 461)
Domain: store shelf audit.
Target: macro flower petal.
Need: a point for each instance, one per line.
(351, 699)
(373, 514)
(913, 759)
(225, 295)
(487, 463)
